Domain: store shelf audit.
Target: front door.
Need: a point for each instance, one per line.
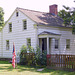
(44, 44)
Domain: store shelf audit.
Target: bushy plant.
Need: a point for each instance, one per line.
(43, 58)
(22, 57)
(30, 49)
(39, 58)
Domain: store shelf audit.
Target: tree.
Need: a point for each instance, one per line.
(68, 15)
(1, 17)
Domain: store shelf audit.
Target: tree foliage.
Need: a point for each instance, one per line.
(1, 17)
(68, 15)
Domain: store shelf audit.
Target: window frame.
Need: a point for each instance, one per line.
(17, 13)
(7, 45)
(67, 44)
(24, 24)
(56, 44)
(10, 27)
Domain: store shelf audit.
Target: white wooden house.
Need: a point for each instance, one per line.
(36, 28)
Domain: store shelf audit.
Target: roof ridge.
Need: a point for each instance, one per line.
(31, 10)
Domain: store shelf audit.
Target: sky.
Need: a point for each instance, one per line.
(39, 5)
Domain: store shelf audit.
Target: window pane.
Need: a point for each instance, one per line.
(67, 43)
(7, 44)
(24, 24)
(56, 44)
(28, 42)
(17, 14)
(10, 27)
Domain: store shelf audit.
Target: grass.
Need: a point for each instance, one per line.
(6, 69)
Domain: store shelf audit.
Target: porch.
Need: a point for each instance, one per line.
(48, 41)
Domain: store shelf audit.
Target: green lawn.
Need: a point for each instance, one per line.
(6, 69)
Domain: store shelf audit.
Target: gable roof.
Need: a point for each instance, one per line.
(43, 18)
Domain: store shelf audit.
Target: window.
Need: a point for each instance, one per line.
(10, 27)
(28, 42)
(56, 43)
(17, 14)
(67, 43)
(24, 24)
(73, 29)
(7, 44)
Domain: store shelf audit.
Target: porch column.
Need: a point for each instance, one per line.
(47, 45)
(40, 44)
(52, 45)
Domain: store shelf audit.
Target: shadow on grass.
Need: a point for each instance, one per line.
(49, 71)
(6, 66)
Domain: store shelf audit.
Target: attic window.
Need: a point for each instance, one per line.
(17, 14)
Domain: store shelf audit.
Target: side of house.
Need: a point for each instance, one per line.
(64, 43)
(19, 29)
(0, 44)
(28, 27)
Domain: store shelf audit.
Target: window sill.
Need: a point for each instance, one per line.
(67, 49)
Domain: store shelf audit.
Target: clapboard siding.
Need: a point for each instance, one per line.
(18, 35)
(66, 33)
(49, 29)
(0, 44)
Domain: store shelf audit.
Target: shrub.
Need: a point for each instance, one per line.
(22, 57)
(39, 58)
(30, 49)
(25, 59)
(43, 59)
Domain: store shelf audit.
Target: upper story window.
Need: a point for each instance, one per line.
(24, 24)
(17, 14)
(7, 44)
(56, 43)
(67, 43)
(10, 27)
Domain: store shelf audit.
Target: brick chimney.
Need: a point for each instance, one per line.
(53, 9)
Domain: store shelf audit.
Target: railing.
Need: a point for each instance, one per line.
(61, 61)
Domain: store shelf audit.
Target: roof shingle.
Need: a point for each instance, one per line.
(43, 18)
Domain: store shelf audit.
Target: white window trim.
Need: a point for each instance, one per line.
(58, 44)
(8, 27)
(6, 45)
(69, 45)
(23, 24)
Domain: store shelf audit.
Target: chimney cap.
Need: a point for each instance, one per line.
(54, 5)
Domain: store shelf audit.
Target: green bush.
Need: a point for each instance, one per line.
(43, 59)
(22, 57)
(39, 58)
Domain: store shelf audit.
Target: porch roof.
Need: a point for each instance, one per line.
(49, 33)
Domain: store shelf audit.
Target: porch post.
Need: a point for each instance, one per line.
(47, 45)
(52, 45)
